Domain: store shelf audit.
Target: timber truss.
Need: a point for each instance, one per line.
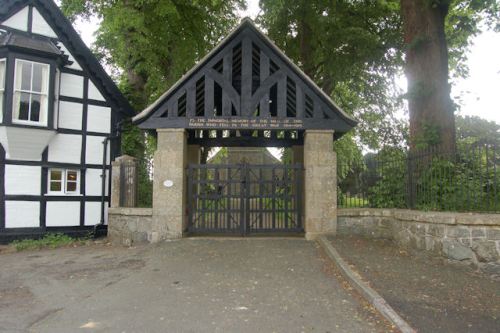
(245, 91)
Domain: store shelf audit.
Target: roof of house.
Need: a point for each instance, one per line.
(72, 41)
(41, 44)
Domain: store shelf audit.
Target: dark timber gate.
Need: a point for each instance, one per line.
(244, 199)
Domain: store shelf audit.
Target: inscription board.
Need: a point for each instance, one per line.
(245, 123)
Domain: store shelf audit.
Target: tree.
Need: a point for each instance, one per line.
(150, 44)
(429, 25)
(351, 49)
(430, 106)
(476, 131)
(354, 50)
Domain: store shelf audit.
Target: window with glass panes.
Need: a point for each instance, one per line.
(31, 86)
(64, 181)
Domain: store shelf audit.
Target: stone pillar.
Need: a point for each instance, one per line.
(320, 163)
(193, 157)
(170, 160)
(116, 179)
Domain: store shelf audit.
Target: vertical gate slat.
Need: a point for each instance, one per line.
(273, 199)
(285, 195)
(216, 177)
(246, 209)
(190, 197)
(261, 194)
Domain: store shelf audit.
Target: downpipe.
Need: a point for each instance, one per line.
(100, 227)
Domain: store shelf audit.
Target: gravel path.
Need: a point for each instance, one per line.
(432, 294)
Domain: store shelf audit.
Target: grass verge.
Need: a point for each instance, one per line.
(51, 240)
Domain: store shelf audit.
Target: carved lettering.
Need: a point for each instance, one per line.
(245, 123)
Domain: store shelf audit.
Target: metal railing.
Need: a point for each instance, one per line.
(128, 183)
(467, 179)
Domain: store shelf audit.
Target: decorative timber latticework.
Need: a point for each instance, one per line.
(245, 92)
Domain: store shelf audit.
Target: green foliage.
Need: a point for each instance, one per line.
(473, 130)
(353, 51)
(430, 136)
(418, 42)
(389, 189)
(468, 180)
(150, 44)
(463, 185)
(51, 240)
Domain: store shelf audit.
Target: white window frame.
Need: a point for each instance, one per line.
(64, 182)
(2, 87)
(20, 91)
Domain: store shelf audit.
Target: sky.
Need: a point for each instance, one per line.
(479, 93)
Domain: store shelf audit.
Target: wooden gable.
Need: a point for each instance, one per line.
(245, 83)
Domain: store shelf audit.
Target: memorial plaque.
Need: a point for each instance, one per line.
(245, 123)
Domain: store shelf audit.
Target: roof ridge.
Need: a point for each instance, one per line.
(246, 21)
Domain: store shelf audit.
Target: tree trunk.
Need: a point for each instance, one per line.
(304, 33)
(432, 121)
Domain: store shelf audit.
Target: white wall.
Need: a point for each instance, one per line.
(24, 143)
(93, 92)
(40, 26)
(93, 182)
(70, 115)
(98, 119)
(75, 64)
(19, 20)
(93, 213)
(21, 179)
(22, 214)
(71, 85)
(65, 148)
(94, 150)
(62, 214)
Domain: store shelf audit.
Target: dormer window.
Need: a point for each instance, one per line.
(31, 87)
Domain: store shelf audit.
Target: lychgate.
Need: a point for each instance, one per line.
(245, 93)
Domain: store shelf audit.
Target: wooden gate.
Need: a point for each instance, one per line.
(244, 199)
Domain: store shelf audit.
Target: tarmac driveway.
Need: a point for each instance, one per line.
(190, 285)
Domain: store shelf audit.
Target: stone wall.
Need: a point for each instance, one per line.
(128, 226)
(458, 236)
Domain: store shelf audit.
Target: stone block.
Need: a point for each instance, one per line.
(454, 250)
(486, 251)
(478, 232)
(436, 230)
(457, 232)
(478, 219)
(493, 233)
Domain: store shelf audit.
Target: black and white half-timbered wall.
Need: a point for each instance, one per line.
(59, 114)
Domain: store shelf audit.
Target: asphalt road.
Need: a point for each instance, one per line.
(190, 285)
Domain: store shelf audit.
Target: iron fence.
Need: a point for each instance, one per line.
(467, 179)
(128, 183)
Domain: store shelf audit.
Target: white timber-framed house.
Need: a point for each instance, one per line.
(59, 124)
